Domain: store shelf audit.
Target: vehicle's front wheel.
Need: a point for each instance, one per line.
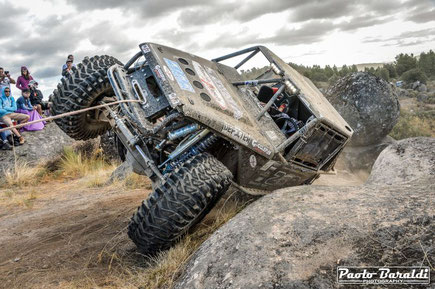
(188, 194)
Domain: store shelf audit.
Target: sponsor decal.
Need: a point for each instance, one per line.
(168, 72)
(159, 73)
(383, 275)
(253, 161)
(245, 139)
(224, 92)
(174, 99)
(261, 148)
(237, 134)
(209, 85)
(145, 48)
(179, 75)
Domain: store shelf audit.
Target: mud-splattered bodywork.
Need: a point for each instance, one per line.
(215, 96)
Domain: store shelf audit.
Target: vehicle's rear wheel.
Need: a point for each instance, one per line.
(188, 194)
(84, 87)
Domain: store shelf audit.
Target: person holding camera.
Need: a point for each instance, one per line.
(5, 79)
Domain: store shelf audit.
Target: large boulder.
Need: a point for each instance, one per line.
(40, 146)
(368, 103)
(296, 237)
(407, 161)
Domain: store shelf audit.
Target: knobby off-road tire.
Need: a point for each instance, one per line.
(188, 194)
(84, 87)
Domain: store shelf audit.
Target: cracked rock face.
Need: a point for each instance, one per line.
(368, 103)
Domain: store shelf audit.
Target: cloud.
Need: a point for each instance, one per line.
(361, 22)
(311, 32)
(236, 11)
(178, 38)
(422, 16)
(116, 43)
(404, 38)
(147, 8)
(322, 10)
(10, 16)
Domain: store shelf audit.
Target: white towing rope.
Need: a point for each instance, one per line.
(69, 113)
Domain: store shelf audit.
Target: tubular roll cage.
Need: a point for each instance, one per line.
(284, 80)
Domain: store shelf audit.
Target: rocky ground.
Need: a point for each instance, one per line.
(40, 146)
(65, 233)
(304, 233)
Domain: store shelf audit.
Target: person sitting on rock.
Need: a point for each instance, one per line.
(36, 98)
(24, 79)
(25, 107)
(7, 112)
(5, 79)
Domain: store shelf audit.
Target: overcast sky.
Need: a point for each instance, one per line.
(41, 33)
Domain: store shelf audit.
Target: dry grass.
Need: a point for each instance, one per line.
(19, 198)
(22, 175)
(414, 124)
(74, 164)
(134, 181)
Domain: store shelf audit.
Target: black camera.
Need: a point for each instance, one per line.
(6, 72)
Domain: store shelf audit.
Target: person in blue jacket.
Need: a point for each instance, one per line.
(7, 112)
(23, 103)
(24, 106)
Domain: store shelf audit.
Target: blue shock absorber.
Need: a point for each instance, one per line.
(193, 151)
(183, 131)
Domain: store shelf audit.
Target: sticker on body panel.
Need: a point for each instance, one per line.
(145, 48)
(168, 72)
(253, 161)
(179, 75)
(159, 73)
(261, 148)
(209, 85)
(237, 134)
(224, 92)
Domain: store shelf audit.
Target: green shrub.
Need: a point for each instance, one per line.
(414, 75)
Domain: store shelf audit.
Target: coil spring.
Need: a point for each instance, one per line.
(200, 147)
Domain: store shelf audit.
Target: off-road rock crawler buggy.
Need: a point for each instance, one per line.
(198, 127)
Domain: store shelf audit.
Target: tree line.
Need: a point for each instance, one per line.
(406, 67)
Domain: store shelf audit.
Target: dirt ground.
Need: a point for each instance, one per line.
(66, 237)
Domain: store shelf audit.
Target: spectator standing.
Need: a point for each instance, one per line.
(7, 112)
(24, 106)
(5, 79)
(24, 79)
(36, 98)
(70, 57)
(67, 70)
